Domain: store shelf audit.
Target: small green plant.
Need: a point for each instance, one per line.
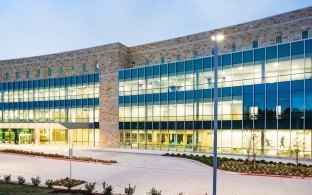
(7, 178)
(108, 189)
(90, 187)
(20, 180)
(36, 181)
(153, 191)
(49, 183)
(69, 184)
(129, 190)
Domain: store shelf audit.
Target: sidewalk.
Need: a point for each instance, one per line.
(83, 151)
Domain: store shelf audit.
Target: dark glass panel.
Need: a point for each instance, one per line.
(297, 48)
(284, 50)
(226, 59)
(271, 52)
(248, 56)
(259, 54)
(237, 58)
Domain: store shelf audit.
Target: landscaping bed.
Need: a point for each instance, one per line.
(79, 158)
(246, 166)
(66, 181)
(12, 188)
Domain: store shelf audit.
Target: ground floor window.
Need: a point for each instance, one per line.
(81, 137)
(280, 142)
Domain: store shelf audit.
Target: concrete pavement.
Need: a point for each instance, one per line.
(146, 170)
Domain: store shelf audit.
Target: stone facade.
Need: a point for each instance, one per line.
(116, 56)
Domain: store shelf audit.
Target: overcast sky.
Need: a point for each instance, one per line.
(38, 27)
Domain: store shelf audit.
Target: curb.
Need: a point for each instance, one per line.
(275, 176)
(54, 158)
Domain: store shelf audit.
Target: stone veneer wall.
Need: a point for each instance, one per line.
(116, 56)
(288, 25)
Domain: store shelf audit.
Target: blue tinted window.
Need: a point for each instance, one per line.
(248, 89)
(189, 65)
(237, 58)
(96, 78)
(148, 97)
(227, 91)
(259, 88)
(164, 97)
(180, 67)
(149, 71)
(297, 85)
(271, 88)
(189, 95)
(255, 44)
(207, 63)
(180, 95)
(237, 91)
(207, 93)
(198, 64)
(308, 84)
(134, 73)
(259, 54)
(284, 50)
(308, 46)
(120, 100)
(141, 72)
(171, 68)
(198, 94)
(248, 56)
(226, 59)
(141, 98)
(156, 70)
(91, 78)
(127, 74)
(284, 86)
(134, 99)
(171, 96)
(305, 34)
(271, 52)
(297, 48)
(121, 75)
(85, 78)
(278, 39)
(163, 69)
(156, 97)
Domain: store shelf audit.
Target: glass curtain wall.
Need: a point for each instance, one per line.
(262, 91)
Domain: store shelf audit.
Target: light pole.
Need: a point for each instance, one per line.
(217, 37)
(70, 152)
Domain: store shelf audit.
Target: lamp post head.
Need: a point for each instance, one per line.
(218, 37)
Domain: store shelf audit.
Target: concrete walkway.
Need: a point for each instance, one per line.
(146, 170)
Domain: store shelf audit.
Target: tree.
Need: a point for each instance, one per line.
(297, 147)
(252, 146)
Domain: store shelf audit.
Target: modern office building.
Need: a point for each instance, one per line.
(159, 95)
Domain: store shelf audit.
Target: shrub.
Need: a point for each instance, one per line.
(7, 178)
(69, 184)
(90, 187)
(20, 180)
(36, 181)
(153, 191)
(108, 189)
(130, 190)
(49, 183)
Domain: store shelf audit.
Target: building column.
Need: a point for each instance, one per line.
(37, 136)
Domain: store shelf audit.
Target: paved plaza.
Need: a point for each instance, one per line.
(146, 170)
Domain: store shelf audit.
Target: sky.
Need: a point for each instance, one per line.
(38, 27)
